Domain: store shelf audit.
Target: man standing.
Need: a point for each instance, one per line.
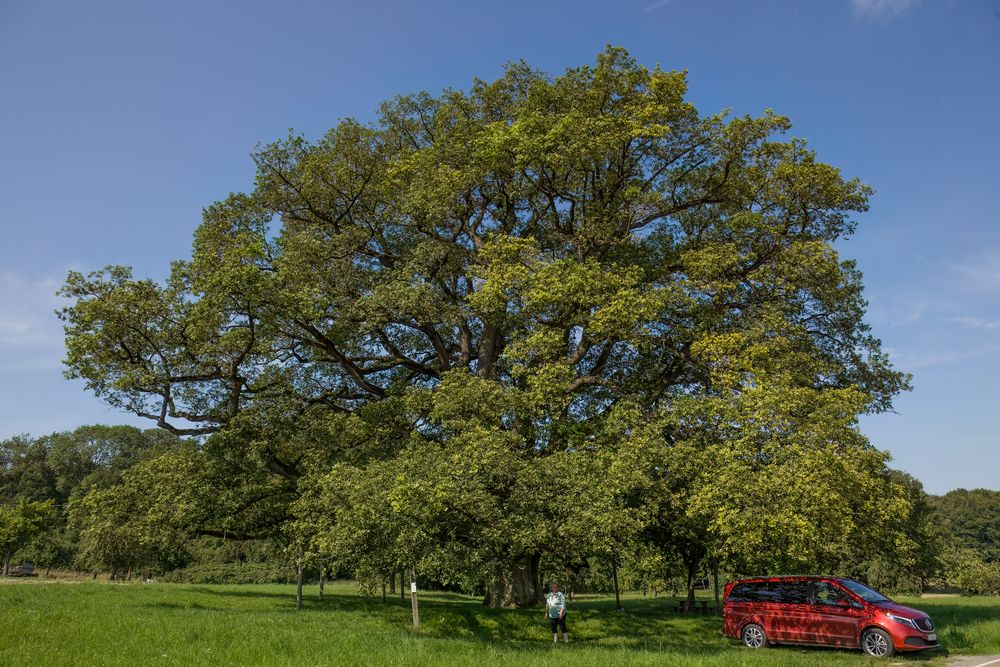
(555, 610)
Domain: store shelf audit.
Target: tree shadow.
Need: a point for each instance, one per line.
(592, 623)
(228, 592)
(648, 624)
(183, 606)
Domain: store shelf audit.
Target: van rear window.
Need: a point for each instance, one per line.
(743, 593)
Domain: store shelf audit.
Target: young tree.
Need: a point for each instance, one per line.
(20, 521)
(146, 519)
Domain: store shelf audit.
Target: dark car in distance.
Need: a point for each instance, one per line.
(24, 570)
(829, 611)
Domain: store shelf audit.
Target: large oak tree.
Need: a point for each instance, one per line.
(567, 247)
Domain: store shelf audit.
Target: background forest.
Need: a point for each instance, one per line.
(57, 489)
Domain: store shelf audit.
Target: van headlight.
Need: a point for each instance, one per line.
(905, 621)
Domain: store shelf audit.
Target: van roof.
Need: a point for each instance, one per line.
(782, 577)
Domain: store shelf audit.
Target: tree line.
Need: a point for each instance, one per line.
(500, 334)
(70, 501)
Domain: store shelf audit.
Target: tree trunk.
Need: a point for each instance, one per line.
(515, 585)
(527, 586)
(322, 580)
(614, 577)
(114, 572)
(490, 346)
(392, 584)
(402, 586)
(413, 598)
(383, 592)
(692, 572)
(6, 565)
(298, 586)
(715, 579)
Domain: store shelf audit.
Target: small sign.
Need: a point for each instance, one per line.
(413, 587)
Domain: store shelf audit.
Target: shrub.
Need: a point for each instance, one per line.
(229, 573)
(968, 572)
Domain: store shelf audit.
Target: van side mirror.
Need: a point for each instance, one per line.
(849, 603)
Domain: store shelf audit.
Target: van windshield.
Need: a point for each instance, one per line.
(862, 591)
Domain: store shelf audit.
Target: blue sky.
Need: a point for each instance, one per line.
(119, 121)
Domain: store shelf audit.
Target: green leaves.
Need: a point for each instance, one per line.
(20, 522)
(544, 286)
(145, 520)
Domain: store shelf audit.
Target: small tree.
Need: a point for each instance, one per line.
(146, 519)
(20, 522)
(966, 570)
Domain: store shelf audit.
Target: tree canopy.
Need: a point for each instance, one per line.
(550, 316)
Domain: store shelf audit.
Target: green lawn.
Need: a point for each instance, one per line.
(163, 624)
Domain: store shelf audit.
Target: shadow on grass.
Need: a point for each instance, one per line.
(229, 593)
(592, 623)
(183, 606)
(647, 624)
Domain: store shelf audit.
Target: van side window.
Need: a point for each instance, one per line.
(791, 592)
(754, 591)
(744, 593)
(769, 592)
(782, 592)
(826, 593)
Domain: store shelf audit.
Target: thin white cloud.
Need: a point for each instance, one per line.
(913, 316)
(976, 322)
(980, 274)
(30, 333)
(934, 358)
(882, 9)
(659, 4)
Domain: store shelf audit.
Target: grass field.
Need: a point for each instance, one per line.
(76, 624)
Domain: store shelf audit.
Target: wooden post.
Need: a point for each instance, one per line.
(413, 598)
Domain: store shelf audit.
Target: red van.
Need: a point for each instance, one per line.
(832, 611)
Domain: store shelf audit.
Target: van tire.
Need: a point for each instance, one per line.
(753, 636)
(877, 643)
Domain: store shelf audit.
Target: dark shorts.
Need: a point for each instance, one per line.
(558, 624)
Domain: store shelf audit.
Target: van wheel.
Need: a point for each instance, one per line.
(753, 636)
(877, 643)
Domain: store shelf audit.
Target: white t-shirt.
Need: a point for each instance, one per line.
(555, 603)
